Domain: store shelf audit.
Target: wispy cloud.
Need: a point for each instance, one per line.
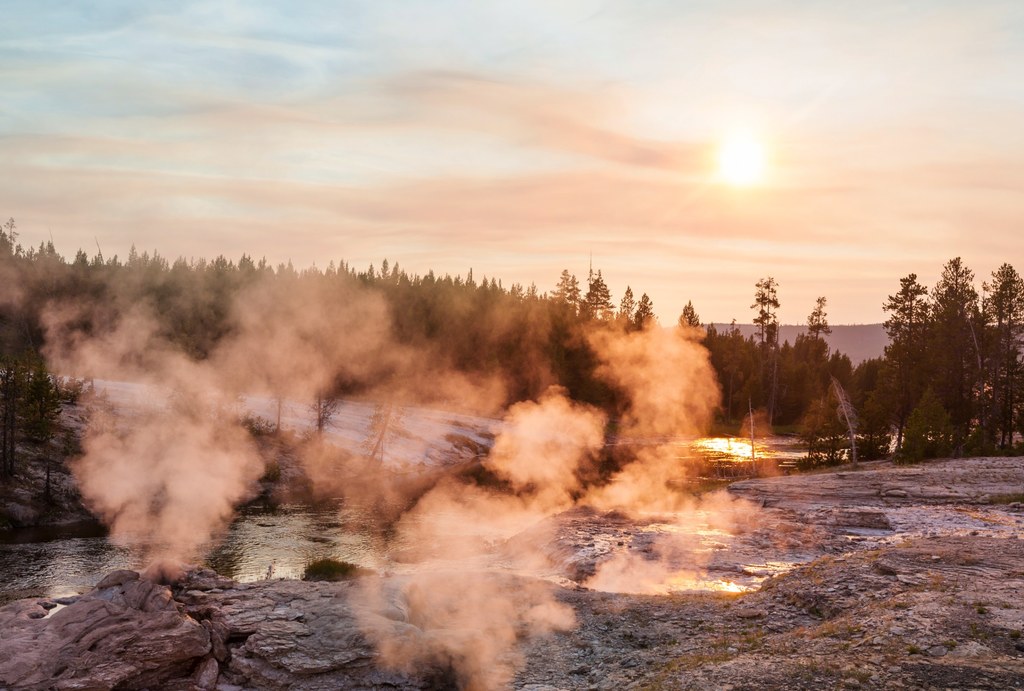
(519, 139)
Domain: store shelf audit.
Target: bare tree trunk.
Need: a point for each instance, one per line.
(850, 415)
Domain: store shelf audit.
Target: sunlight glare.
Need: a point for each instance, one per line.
(741, 159)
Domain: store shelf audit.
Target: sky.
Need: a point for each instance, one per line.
(522, 138)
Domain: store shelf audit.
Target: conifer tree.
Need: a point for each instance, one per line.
(599, 299)
(909, 314)
(1005, 307)
(689, 316)
(955, 350)
(644, 313)
(817, 322)
(627, 307)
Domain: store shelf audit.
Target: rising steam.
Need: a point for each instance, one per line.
(171, 475)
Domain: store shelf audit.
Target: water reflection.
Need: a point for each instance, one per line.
(62, 560)
(285, 539)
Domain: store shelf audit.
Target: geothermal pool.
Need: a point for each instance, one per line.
(60, 560)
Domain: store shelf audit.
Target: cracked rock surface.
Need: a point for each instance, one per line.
(896, 578)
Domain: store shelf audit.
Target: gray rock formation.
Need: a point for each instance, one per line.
(131, 632)
(128, 633)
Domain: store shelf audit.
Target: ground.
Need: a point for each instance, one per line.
(914, 578)
(883, 577)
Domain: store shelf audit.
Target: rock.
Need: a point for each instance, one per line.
(206, 674)
(206, 580)
(969, 649)
(895, 493)
(218, 639)
(126, 635)
(119, 577)
(884, 567)
(938, 651)
(749, 613)
(861, 518)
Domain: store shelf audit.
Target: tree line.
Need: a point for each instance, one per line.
(948, 383)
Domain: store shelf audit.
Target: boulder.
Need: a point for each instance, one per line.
(128, 634)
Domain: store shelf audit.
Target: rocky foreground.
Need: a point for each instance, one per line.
(897, 578)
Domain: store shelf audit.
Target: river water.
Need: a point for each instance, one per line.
(53, 561)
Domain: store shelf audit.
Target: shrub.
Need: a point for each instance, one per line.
(928, 433)
(826, 436)
(258, 426)
(69, 389)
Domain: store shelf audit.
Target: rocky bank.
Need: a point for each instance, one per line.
(890, 578)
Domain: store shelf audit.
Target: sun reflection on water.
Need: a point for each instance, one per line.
(685, 582)
(727, 449)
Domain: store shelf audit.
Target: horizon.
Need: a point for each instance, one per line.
(689, 149)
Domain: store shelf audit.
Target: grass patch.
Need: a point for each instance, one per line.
(333, 570)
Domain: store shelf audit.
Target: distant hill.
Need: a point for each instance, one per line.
(859, 341)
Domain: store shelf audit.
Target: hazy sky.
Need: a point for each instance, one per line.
(517, 138)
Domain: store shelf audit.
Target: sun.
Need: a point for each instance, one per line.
(741, 159)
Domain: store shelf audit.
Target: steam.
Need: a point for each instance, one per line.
(170, 475)
(469, 623)
(469, 620)
(675, 559)
(670, 392)
(667, 377)
(170, 480)
(544, 445)
(544, 459)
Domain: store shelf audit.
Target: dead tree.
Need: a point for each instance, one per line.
(846, 413)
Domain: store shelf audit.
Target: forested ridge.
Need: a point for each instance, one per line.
(950, 382)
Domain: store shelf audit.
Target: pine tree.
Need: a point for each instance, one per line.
(385, 425)
(567, 291)
(766, 301)
(11, 376)
(42, 404)
(689, 316)
(644, 316)
(323, 407)
(955, 347)
(598, 301)
(1005, 307)
(929, 432)
(909, 315)
(627, 307)
(817, 322)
